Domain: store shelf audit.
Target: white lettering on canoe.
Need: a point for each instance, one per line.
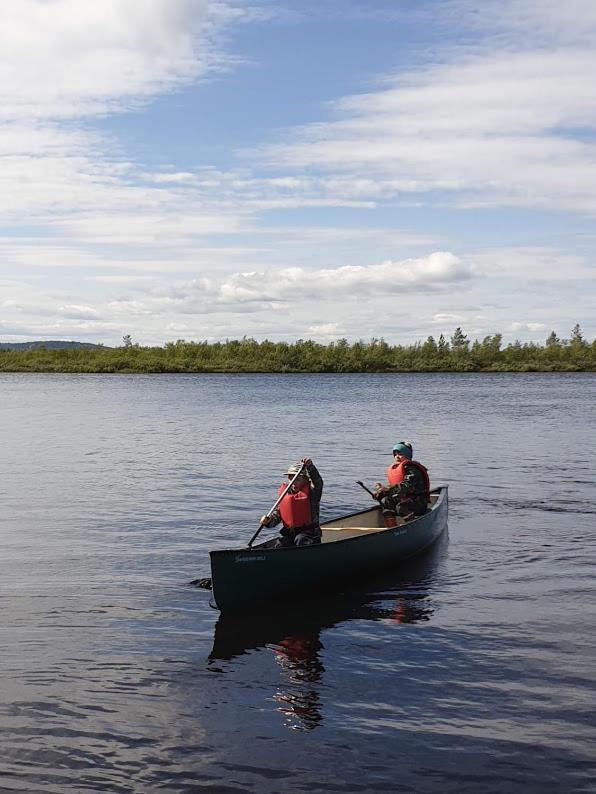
(240, 558)
(397, 532)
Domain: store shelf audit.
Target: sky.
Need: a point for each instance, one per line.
(212, 169)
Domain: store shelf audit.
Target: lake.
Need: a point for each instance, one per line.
(468, 669)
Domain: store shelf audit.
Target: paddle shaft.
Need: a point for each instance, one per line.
(292, 481)
(362, 485)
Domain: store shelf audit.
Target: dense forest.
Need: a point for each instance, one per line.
(456, 354)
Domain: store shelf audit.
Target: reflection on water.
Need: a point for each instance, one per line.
(299, 660)
(293, 633)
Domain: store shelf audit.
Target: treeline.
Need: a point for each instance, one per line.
(456, 354)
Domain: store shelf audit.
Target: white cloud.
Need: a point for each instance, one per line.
(172, 224)
(180, 177)
(76, 312)
(65, 62)
(535, 20)
(66, 58)
(325, 331)
(436, 271)
(519, 326)
(536, 263)
(447, 318)
(490, 127)
(136, 300)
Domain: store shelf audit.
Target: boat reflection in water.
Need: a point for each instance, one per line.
(293, 633)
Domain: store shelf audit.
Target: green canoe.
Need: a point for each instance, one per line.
(354, 544)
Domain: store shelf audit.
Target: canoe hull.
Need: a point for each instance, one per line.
(245, 578)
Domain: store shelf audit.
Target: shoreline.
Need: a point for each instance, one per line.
(127, 372)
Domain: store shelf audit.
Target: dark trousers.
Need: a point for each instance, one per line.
(288, 538)
(405, 508)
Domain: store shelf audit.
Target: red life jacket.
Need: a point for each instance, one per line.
(397, 471)
(294, 508)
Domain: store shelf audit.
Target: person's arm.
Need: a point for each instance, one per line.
(315, 478)
(272, 520)
(399, 490)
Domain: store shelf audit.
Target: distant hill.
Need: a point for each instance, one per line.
(49, 345)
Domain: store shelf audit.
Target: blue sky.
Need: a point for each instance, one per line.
(208, 169)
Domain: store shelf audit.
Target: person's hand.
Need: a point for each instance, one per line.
(307, 462)
(380, 491)
(265, 520)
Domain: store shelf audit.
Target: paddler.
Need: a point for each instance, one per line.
(407, 493)
(299, 509)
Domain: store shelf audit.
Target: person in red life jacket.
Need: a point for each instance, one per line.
(408, 491)
(298, 511)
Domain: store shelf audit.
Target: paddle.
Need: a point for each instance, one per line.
(292, 481)
(362, 485)
(389, 516)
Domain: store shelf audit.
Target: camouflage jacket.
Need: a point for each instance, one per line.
(316, 491)
(412, 489)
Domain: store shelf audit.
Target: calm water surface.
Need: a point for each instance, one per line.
(471, 669)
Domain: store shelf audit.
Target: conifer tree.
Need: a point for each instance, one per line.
(459, 341)
(552, 339)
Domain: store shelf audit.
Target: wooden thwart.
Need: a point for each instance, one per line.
(332, 534)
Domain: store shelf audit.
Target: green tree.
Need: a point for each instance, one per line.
(459, 341)
(578, 348)
(577, 339)
(552, 339)
(487, 354)
(442, 347)
(429, 348)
